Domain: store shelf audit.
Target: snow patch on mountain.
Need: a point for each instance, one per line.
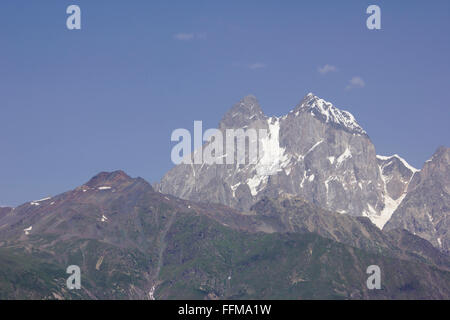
(28, 230)
(254, 183)
(38, 202)
(344, 156)
(390, 204)
(273, 157)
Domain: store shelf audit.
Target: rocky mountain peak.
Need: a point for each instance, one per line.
(243, 113)
(425, 209)
(328, 113)
(321, 154)
(397, 159)
(4, 211)
(436, 170)
(316, 151)
(442, 156)
(109, 179)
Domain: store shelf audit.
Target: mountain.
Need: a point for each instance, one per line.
(316, 151)
(132, 242)
(396, 174)
(425, 209)
(4, 211)
(290, 214)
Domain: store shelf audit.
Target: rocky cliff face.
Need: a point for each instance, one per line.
(396, 174)
(316, 151)
(4, 211)
(425, 209)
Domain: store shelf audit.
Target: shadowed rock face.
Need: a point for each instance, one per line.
(292, 214)
(4, 211)
(316, 151)
(425, 211)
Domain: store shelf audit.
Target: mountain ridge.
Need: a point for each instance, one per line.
(425, 209)
(315, 151)
(132, 242)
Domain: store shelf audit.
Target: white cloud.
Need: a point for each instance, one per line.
(326, 69)
(256, 65)
(189, 36)
(356, 82)
(184, 36)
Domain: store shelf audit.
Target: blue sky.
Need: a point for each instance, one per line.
(107, 97)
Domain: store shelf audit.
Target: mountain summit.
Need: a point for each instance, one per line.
(243, 113)
(328, 113)
(108, 179)
(316, 151)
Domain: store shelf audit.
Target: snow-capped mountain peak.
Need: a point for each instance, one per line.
(327, 112)
(406, 164)
(316, 152)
